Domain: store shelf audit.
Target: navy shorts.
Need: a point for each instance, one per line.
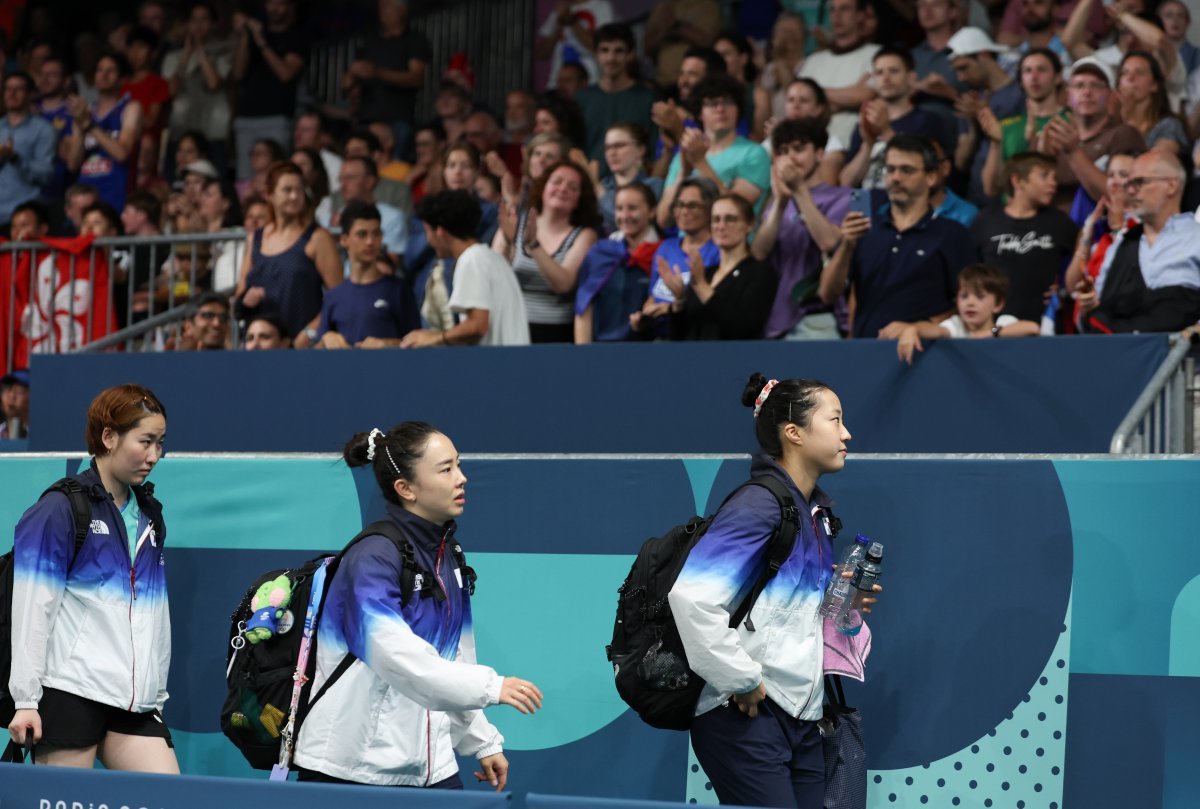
(773, 759)
(70, 722)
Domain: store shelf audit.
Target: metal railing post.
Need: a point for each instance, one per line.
(1158, 412)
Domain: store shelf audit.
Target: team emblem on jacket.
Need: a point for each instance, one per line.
(99, 527)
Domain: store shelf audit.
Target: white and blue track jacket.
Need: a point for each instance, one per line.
(412, 698)
(785, 652)
(96, 626)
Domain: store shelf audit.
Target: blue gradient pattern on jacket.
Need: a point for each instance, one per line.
(365, 595)
(734, 548)
(44, 541)
(96, 626)
(784, 651)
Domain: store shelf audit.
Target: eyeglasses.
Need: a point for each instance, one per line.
(713, 103)
(728, 219)
(220, 317)
(688, 206)
(1136, 183)
(612, 147)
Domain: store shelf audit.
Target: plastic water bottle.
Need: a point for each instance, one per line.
(866, 575)
(838, 589)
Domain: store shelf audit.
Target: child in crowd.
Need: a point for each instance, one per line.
(981, 293)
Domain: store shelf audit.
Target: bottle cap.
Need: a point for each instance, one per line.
(862, 539)
(876, 551)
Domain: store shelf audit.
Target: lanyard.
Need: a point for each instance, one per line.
(280, 771)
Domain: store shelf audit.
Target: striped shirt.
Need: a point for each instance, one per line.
(542, 305)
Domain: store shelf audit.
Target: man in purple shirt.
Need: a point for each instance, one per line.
(801, 222)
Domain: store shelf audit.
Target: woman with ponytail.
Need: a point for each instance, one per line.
(412, 697)
(755, 731)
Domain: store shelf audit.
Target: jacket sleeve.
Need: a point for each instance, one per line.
(470, 731)
(42, 548)
(718, 572)
(377, 633)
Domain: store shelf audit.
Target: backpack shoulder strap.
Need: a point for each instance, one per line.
(152, 508)
(81, 508)
(409, 581)
(779, 547)
(468, 572)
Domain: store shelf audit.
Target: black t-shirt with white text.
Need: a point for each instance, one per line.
(1031, 252)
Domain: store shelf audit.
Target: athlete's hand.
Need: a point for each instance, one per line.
(25, 720)
(748, 703)
(495, 771)
(521, 694)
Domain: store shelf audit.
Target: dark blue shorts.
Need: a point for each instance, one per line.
(770, 760)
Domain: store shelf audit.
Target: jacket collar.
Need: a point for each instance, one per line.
(763, 464)
(425, 533)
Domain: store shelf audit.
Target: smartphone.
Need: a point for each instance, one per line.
(860, 202)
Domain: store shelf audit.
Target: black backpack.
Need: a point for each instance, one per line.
(649, 663)
(81, 513)
(259, 676)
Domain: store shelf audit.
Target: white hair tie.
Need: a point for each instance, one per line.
(762, 397)
(371, 443)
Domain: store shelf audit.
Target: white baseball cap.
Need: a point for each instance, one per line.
(1091, 64)
(970, 41)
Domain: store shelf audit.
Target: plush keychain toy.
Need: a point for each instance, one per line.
(270, 605)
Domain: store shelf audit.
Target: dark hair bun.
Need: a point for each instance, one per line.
(754, 387)
(355, 452)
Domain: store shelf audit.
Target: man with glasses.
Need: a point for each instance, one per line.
(27, 144)
(1150, 278)
(208, 328)
(358, 178)
(1083, 143)
(718, 153)
(902, 262)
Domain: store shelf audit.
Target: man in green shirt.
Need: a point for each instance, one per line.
(1040, 74)
(616, 97)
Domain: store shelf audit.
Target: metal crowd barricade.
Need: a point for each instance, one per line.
(51, 303)
(1162, 420)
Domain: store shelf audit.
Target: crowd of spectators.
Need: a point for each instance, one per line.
(781, 170)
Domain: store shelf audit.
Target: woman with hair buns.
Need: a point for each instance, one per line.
(411, 699)
(755, 731)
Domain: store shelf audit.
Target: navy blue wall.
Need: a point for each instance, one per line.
(1038, 395)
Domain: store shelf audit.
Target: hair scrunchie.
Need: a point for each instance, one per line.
(371, 442)
(762, 397)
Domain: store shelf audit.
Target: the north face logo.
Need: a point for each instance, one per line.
(418, 583)
(99, 527)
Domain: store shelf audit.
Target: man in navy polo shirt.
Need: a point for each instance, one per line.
(902, 262)
(369, 309)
